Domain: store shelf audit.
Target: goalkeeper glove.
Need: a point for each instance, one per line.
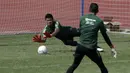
(113, 51)
(48, 35)
(37, 38)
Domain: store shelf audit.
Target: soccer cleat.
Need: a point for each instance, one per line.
(100, 49)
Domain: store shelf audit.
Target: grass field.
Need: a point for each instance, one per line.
(18, 54)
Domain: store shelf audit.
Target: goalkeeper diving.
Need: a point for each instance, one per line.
(53, 28)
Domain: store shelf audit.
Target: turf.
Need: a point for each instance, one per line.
(18, 54)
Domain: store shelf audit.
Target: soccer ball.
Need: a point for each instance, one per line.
(42, 49)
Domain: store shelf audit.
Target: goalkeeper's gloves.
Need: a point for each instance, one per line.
(37, 38)
(113, 51)
(47, 35)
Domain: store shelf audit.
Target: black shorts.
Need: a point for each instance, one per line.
(81, 50)
(68, 33)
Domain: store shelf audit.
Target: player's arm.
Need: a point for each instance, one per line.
(37, 38)
(57, 29)
(104, 34)
(43, 37)
(55, 32)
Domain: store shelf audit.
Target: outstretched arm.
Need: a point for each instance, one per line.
(104, 34)
(55, 32)
(57, 28)
(108, 41)
(48, 35)
(38, 38)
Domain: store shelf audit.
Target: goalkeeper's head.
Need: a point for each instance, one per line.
(49, 19)
(93, 8)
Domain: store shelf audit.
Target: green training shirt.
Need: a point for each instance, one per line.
(51, 28)
(90, 24)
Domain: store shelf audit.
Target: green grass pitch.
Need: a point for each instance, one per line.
(18, 54)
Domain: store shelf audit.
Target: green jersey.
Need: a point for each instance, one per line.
(51, 28)
(56, 25)
(90, 24)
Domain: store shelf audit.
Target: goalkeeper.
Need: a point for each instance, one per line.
(64, 33)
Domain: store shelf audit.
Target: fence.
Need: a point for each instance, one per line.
(27, 16)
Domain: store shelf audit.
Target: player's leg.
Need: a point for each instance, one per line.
(70, 34)
(65, 36)
(74, 32)
(77, 59)
(67, 41)
(96, 57)
(70, 42)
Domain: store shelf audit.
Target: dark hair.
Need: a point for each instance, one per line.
(93, 7)
(48, 15)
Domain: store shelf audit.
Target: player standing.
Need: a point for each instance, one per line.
(90, 24)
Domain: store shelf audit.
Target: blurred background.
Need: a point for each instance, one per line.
(27, 16)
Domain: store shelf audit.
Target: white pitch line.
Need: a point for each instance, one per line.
(60, 65)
